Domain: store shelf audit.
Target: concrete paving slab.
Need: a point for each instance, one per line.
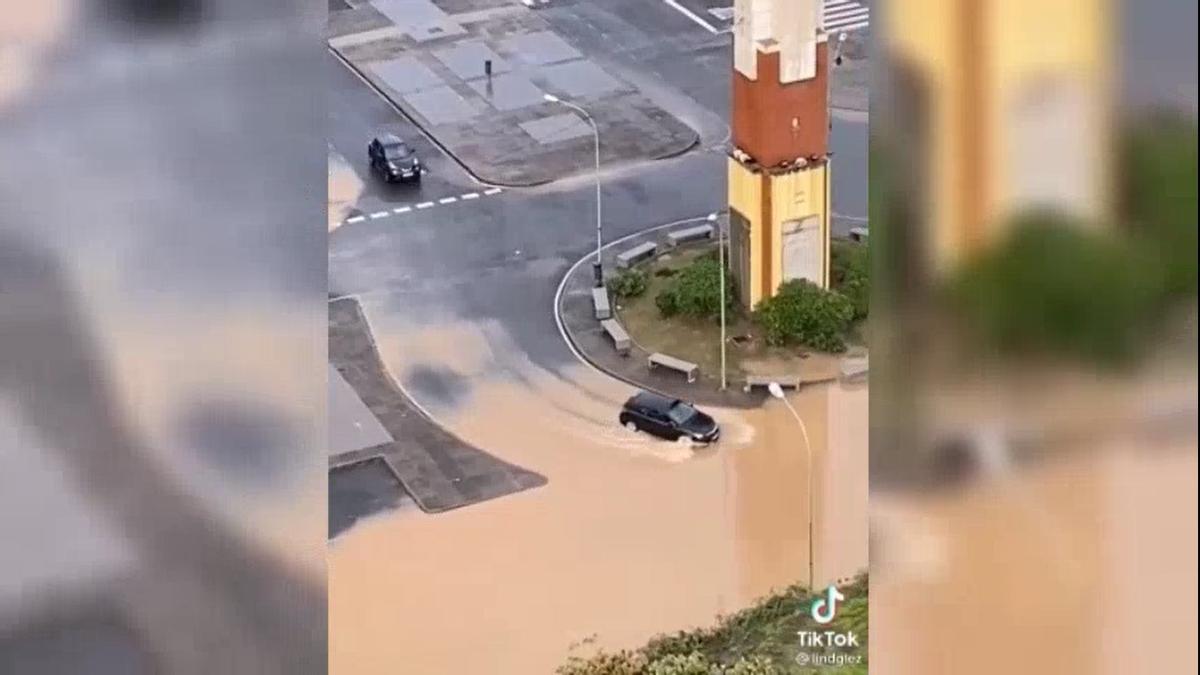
(441, 105)
(539, 48)
(556, 128)
(420, 19)
(351, 425)
(580, 78)
(406, 75)
(436, 468)
(466, 59)
(484, 132)
(508, 92)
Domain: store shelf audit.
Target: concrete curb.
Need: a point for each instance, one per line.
(733, 397)
(470, 171)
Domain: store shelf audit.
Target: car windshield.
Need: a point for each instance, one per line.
(398, 151)
(680, 413)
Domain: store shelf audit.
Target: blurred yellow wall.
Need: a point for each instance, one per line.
(1016, 111)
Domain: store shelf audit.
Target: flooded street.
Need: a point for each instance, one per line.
(630, 537)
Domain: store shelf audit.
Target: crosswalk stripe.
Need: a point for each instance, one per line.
(856, 11)
(842, 15)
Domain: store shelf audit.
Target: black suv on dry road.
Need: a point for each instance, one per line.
(668, 418)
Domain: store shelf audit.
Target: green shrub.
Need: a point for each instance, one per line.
(1159, 177)
(605, 663)
(677, 664)
(696, 291)
(628, 284)
(802, 313)
(1056, 287)
(851, 274)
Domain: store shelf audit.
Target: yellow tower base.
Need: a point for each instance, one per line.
(779, 227)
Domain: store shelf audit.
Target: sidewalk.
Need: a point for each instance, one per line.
(431, 65)
(579, 322)
(438, 470)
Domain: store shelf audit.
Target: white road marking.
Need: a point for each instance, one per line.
(838, 16)
(424, 205)
(691, 15)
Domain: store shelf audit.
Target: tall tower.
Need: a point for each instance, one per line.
(997, 106)
(779, 169)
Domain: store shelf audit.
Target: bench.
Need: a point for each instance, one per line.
(854, 369)
(600, 302)
(686, 367)
(619, 337)
(785, 381)
(689, 234)
(858, 234)
(637, 254)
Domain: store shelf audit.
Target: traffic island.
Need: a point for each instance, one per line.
(749, 360)
(476, 81)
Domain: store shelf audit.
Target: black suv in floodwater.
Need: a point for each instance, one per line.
(668, 418)
(393, 159)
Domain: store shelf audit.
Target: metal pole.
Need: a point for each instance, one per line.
(808, 450)
(721, 256)
(599, 221)
(596, 265)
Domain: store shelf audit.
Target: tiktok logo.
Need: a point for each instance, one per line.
(825, 608)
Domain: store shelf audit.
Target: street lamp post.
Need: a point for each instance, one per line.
(597, 269)
(777, 392)
(721, 255)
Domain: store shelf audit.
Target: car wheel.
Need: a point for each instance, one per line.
(684, 439)
(632, 426)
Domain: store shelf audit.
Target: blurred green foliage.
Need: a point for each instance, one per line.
(1064, 288)
(1158, 197)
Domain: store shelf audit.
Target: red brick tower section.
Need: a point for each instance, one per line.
(776, 123)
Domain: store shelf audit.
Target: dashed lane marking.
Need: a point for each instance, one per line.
(408, 208)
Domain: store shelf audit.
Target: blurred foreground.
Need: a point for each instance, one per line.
(161, 338)
(1033, 436)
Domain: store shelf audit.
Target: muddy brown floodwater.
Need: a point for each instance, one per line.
(631, 537)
